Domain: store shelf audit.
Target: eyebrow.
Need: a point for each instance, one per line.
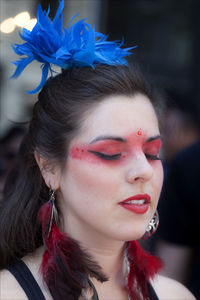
(108, 137)
(120, 139)
(153, 138)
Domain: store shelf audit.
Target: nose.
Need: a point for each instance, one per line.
(139, 169)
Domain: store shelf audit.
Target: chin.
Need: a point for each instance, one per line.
(135, 236)
(131, 235)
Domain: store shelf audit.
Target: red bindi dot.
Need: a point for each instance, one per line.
(123, 155)
(82, 150)
(139, 132)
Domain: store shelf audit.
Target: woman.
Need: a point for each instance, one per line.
(85, 188)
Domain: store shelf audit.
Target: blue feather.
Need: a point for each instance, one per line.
(45, 70)
(21, 65)
(78, 45)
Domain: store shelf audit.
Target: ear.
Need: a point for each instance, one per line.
(50, 172)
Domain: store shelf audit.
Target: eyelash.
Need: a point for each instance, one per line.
(117, 156)
(152, 157)
(106, 156)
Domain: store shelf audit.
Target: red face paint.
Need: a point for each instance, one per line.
(111, 151)
(103, 151)
(153, 147)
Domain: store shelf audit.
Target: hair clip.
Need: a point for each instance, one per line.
(78, 45)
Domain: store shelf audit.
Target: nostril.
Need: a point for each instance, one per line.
(137, 178)
(141, 174)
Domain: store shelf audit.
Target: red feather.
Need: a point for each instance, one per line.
(64, 262)
(143, 267)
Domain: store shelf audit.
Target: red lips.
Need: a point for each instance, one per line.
(138, 208)
(145, 197)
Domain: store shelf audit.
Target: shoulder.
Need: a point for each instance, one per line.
(167, 288)
(10, 288)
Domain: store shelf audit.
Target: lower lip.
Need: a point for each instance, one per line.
(136, 208)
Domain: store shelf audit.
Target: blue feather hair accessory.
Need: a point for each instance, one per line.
(78, 45)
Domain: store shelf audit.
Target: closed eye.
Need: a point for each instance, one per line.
(106, 156)
(152, 157)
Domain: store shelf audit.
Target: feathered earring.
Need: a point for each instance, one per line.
(141, 268)
(54, 212)
(65, 266)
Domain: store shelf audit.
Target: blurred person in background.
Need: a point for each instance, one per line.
(180, 131)
(178, 235)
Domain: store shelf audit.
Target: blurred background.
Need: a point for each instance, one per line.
(167, 34)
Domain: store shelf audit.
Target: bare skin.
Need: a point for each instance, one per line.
(166, 288)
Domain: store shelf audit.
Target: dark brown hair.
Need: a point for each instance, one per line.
(57, 117)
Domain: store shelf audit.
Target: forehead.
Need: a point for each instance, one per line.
(120, 115)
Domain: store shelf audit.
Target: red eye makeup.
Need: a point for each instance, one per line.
(109, 149)
(152, 148)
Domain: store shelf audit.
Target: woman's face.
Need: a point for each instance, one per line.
(113, 160)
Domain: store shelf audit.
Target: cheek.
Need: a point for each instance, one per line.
(88, 184)
(158, 177)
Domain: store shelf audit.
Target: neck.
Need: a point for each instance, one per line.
(111, 260)
(108, 253)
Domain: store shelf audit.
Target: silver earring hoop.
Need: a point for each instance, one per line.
(54, 212)
(152, 227)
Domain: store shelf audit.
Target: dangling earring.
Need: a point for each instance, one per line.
(126, 266)
(152, 227)
(54, 212)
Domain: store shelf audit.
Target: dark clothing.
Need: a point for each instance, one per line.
(25, 278)
(179, 208)
(152, 293)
